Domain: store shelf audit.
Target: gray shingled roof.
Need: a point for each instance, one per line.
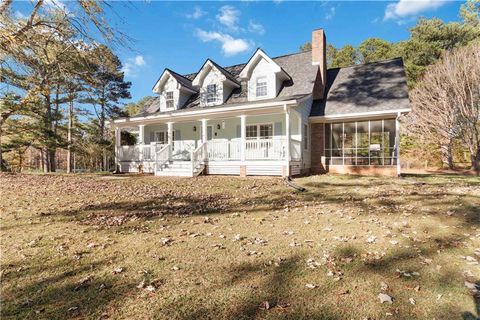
(377, 86)
(187, 83)
(298, 66)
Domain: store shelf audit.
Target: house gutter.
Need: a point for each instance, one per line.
(359, 115)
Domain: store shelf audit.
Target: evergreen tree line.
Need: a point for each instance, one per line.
(53, 73)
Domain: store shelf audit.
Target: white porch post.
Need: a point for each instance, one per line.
(141, 138)
(170, 139)
(169, 132)
(243, 137)
(204, 130)
(397, 138)
(287, 134)
(118, 141)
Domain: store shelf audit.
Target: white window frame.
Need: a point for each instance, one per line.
(264, 85)
(165, 135)
(306, 140)
(257, 125)
(209, 95)
(167, 99)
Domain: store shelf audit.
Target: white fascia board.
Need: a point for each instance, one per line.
(358, 115)
(244, 74)
(173, 116)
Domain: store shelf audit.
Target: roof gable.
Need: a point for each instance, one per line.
(255, 59)
(205, 69)
(184, 82)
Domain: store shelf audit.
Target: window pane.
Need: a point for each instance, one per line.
(211, 93)
(362, 143)
(169, 99)
(252, 131)
(261, 87)
(266, 131)
(376, 154)
(337, 139)
(389, 135)
(349, 143)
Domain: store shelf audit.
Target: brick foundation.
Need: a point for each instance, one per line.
(364, 170)
(243, 171)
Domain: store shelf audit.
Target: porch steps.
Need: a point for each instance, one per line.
(179, 169)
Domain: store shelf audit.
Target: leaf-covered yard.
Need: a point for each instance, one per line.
(132, 247)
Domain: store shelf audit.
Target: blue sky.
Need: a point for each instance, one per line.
(182, 35)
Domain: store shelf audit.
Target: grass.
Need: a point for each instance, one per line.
(133, 247)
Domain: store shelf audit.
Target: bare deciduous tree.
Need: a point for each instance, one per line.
(446, 103)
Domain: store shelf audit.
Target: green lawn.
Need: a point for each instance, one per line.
(132, 247)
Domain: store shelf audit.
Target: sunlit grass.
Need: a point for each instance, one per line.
(89, 246)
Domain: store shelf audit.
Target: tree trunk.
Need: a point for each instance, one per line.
(447, 155)
(69, 136)
(476, 161)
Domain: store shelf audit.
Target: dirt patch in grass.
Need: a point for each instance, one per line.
(88, 246)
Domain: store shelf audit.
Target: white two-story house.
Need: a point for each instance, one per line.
(285, 115)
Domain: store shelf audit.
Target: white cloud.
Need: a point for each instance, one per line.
(133, 65)
(139, 61)
(196, 14)
(230, 45)
(407, 8)
(330, 13)
(256, 27)
(229, 17)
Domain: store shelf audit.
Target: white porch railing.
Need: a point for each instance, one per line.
(224, 149)
(198, 157)
(266, 149)
(220, 150)
(163, 154)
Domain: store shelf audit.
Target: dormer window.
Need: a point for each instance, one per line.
(169, 99)
(211, 93)
(261, 87)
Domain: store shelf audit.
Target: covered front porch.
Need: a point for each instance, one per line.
(259, 144)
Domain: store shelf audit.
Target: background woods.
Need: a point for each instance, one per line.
(442, 70)
(61, 82)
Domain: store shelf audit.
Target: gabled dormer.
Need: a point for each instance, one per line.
(214, 83)
(264, 76)
(174, 90)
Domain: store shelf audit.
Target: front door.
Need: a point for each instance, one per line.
(209, 133)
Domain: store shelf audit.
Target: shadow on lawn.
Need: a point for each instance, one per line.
(70, 294)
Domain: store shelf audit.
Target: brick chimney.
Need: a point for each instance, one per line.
(319, 57)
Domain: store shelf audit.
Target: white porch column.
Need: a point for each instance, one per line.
(118, 141)
(204, 130)
(287, 135)
(170, 132)
(243, 137)
(397, 138)
(141, 138)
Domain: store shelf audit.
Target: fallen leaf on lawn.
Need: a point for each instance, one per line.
(412, 301)
(265, 305)
(385, 298)
(117, 270)
(310, 286)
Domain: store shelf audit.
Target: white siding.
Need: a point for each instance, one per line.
(263, 69)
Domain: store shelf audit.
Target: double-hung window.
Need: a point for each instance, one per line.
(211, 93)
(169, 99)
(259, 131)
(261, 87)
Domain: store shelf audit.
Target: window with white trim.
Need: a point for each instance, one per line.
(169, 99)
(259, 131)
(261, 87)
(211, 93)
